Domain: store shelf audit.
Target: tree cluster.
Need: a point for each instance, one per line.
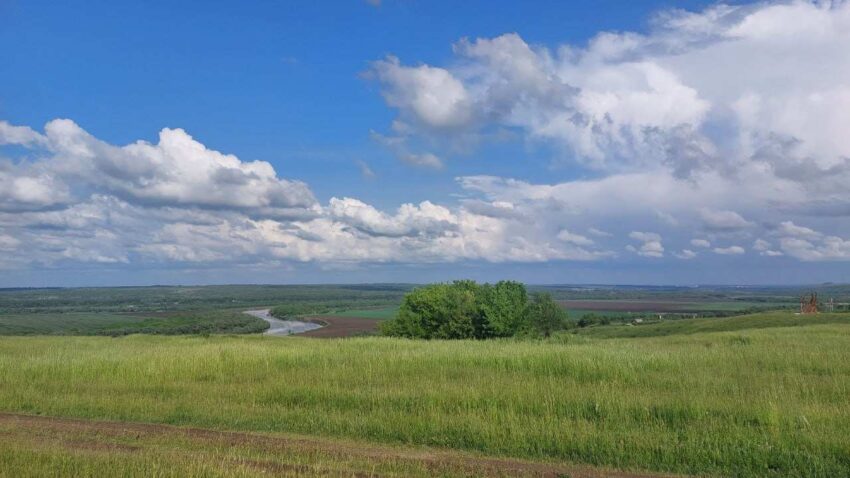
(468, 310)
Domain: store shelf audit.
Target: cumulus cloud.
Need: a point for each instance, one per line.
(765, 248)
(631, 100)
(177, 171)
(685, 254)
(426, 218)
(825, 249)
(23, 135)
(651, 244)
(654, 132)
(430, 96)
(788, 228)
(729, 251)
(576, 239)
(723, 220)
(662, 129)
(809, 245)
(83, 200)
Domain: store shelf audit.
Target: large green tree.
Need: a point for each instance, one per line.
(504, 307)
(545, 316)
(467, 310)
(439, 311)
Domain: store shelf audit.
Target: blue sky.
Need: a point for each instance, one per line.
(276, 81)
(586, 141)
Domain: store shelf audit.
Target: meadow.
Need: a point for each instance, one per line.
(747, 401)
(116, 324)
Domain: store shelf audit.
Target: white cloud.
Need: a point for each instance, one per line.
(685, 254)
(729, 251)
(651, 246)
(426, 218)
(650, 123)
(660, 98)
(576, 239)
(723, 220)
(645, 236)
(24, 187)
(599, 232)
(761, 245)
(179, 201)
(424, 160)
(178, 171)
(765, 248)
(826, 248)
(788, 228)
(654, 118)
(431, 96)
(23, 135)
(805, 244)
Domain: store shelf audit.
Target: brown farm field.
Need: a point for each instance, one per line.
(337, 327)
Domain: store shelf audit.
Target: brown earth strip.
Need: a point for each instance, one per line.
(104, 431)
(335, 327)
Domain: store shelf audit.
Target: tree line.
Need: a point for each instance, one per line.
(468, 310)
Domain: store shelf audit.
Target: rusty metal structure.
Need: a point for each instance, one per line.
(809, 305)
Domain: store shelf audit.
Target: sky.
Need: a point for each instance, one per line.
(607, 142)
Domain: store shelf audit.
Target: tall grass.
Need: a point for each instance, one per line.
(747, 403)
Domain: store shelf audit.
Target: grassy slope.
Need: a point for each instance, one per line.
(748, 403)
(727, 324)
(104, 323)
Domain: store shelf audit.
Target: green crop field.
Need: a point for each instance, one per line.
(381, 313)
(748, 401)
(720, 324)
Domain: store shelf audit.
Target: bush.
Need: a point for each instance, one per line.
(467, 310)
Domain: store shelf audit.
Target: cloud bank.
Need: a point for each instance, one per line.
(718, 133)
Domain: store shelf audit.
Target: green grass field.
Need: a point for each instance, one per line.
(114, 324)
(750, 402)
(382, 313)
(721, 324)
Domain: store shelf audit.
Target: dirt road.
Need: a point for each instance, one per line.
(281, 454)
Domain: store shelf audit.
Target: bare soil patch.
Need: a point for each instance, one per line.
(335, 327)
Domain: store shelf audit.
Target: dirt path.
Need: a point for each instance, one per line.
(114, 437)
